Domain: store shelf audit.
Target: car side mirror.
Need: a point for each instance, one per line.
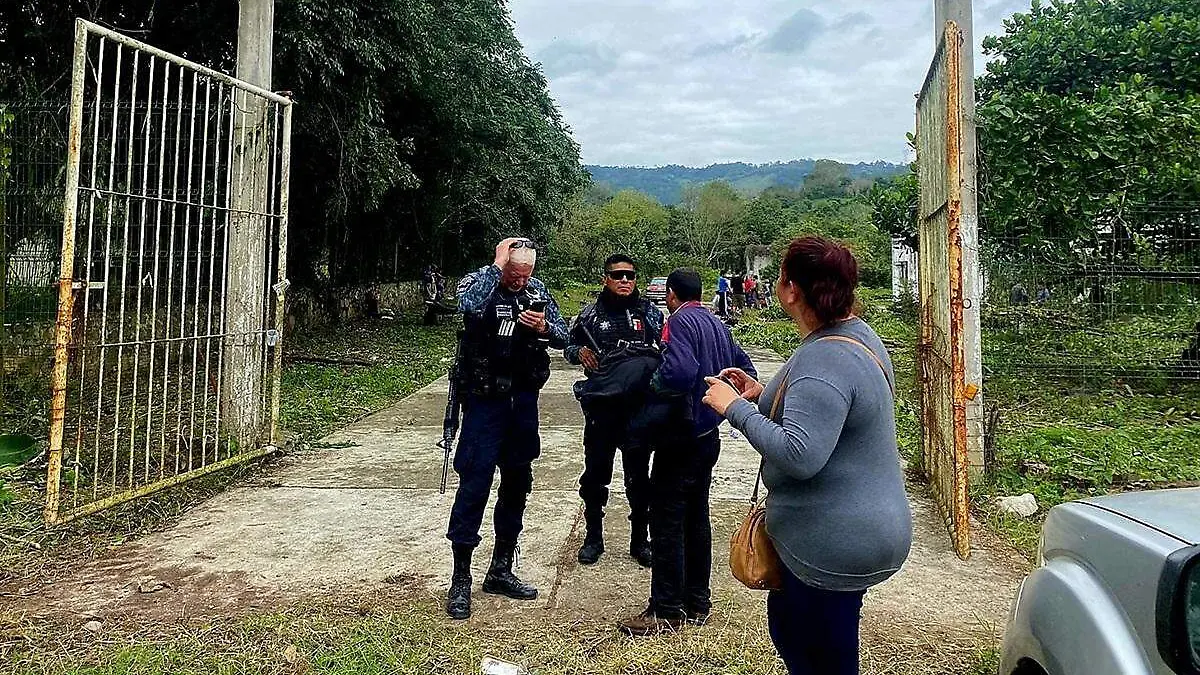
(1179, 611)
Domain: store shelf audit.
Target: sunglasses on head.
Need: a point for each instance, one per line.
(621, 275)
(523, 243)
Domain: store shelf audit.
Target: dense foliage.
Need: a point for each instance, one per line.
(423, 132)
(713, 226)
(668, 184)
(1088, 109)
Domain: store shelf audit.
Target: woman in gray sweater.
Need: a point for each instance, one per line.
(837, 510)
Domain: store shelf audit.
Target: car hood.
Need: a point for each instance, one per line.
(1173, 512)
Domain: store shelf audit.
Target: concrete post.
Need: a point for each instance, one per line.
(960, 11)
(246, 273)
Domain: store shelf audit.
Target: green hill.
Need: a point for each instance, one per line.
(666, 183)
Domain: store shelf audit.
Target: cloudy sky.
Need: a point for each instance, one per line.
(695, 82)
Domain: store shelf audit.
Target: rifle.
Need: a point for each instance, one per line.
(450, 421)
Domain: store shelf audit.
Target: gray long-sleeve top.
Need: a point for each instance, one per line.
(837, 510)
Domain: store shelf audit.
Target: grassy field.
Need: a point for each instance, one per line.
(415, 638)
(1057, 439)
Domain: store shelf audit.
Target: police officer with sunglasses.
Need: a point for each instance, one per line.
(617, 341)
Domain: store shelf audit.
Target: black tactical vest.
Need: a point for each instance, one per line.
(613, 328)
(501, 355)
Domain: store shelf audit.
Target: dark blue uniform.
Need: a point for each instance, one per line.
(504, 365)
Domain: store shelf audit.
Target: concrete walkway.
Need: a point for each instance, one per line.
(363, 518)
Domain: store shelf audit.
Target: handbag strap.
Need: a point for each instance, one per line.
(778, 400)
(875, 357)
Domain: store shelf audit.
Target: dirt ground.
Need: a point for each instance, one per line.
(363, 518)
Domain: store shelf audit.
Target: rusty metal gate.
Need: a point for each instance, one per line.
(941, 356)
(170, 302)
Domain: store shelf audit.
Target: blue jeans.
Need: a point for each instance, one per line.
(815, 631)
(497, 432)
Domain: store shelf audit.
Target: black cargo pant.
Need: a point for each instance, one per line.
(680, 525)
(604, 432)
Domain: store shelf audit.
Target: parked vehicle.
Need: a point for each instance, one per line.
(1116, 592)
(656, 292)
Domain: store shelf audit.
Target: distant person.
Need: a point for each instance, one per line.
(1043, 294)
(696, 344)
(738, 286)
(723, 295)
(1019, 296)
(616, 340)
(837, 510)
(752, 291)
(433, 292)
(1190, 357)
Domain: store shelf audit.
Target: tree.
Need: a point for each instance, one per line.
(1087, 109)
(630, 222)
(894, 207)
(422, 131)
(828, 179)
(712, 229)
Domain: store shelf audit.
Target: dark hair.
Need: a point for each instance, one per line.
(826, 273)
(617, 259)
(686, 284)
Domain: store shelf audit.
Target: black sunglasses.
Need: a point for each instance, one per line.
(619, 275)
(523, 243)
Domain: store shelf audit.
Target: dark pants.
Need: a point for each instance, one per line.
(680, 526)
(496, 432)
(815, 631)
(603, 433)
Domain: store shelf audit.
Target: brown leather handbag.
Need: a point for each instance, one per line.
(752, 557)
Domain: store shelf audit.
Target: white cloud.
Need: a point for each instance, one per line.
(701, 81)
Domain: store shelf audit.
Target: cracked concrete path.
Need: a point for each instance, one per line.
(363, 517)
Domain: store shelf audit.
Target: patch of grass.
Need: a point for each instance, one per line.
(413, 639)
(572, 297)
(416, 638)
(402, 356)
(987, 662)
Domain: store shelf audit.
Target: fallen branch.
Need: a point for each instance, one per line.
(326, 360)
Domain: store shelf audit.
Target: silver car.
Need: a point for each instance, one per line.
(1117, 590)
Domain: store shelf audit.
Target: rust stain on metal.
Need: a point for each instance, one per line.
(962, 523)
(66, 305)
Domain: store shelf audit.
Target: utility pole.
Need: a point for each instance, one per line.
(245, 269)
(960, 12)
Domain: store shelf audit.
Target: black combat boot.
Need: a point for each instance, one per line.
(500, 579)
(639, 544)
(458, 600)
(593, 541)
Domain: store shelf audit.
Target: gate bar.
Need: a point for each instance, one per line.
(180, 61)
(62, 327)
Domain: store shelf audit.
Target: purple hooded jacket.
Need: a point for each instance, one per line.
(697, 345)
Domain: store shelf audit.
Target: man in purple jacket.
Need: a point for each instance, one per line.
(696, 345)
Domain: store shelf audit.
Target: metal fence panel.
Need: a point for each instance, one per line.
(155, 217)
(941, 353)
(32, 147)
